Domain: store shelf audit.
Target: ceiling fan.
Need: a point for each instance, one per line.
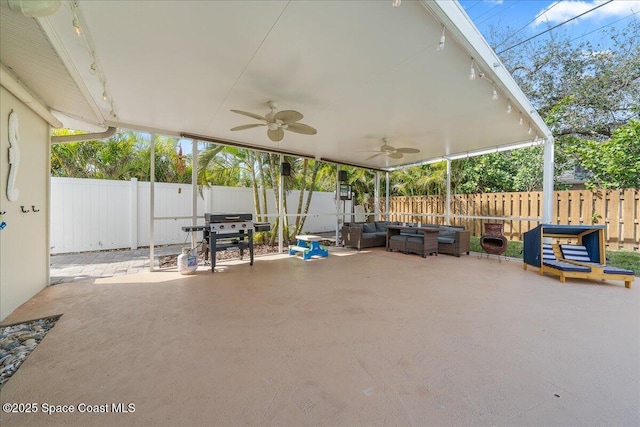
(277, 123)
(393, 152)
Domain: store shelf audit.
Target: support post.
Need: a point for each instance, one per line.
(547, 181)
(376, 198)
(386, 197)
(194, 193)
(281, 209)
(152, 200)
(447, 209)
(133, 214)
(338, 203)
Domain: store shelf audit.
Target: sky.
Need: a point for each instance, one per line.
(534, 16)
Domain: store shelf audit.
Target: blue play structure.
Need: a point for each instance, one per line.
(309, 246)
(582, 256)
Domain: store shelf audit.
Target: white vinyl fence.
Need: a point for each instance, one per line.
(95, 214)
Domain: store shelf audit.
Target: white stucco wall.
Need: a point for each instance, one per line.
(24, 243)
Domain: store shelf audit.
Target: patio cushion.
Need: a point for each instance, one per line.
(369, 227)
(381, 233)
(409, 232)
(579, 253)
(446, 240)
(447, 233)
(368, 235)
(398, 237)
(615, 270)
(575, 253)
(547, 253)
(381, 226)
(565, 266)
(415, 239)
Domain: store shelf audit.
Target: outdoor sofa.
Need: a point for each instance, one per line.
(360, 235)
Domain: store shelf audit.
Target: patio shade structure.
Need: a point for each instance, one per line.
(359, 71)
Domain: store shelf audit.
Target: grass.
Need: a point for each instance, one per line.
(514, 247)
(625, 259)
(621, 259)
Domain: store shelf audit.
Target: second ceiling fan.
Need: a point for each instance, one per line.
(393, 152)
(277, 123)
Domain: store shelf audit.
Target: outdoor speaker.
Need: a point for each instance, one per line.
(285, 169)
(342, 176)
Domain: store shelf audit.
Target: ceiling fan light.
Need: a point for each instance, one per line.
(396, 3)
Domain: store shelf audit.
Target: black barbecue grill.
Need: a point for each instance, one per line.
(228, 231)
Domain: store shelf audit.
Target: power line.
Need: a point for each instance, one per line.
(604, 26)
(474, 5)
(497, 13)
(554, 27)
(526, 25)
(487, 11)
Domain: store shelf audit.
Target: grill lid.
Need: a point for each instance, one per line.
(227, 217)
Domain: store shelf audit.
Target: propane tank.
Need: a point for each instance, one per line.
(187, 263)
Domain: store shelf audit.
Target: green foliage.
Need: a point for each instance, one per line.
(584, 92)
(625, 259)
(615, 163)
(514, 247)
(124, 156)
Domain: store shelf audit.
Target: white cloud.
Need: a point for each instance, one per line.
(560, 12)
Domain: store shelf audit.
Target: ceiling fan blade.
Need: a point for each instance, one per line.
(386, 148)
(248, 114)
(243, 127)
(288, 116)
(374, 156)
(395, 155)
(275, 135)
(407, 150)
(301, 128)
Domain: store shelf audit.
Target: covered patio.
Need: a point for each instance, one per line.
(368, 338)
(358, 338)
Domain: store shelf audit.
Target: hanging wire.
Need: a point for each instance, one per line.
(554, 27)
(604, 26)
(525, 26)
(487, 11)
(474, 5)
(497, 13)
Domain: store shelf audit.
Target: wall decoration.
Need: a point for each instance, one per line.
(14, 157)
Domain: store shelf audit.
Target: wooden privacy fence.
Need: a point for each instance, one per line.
(618, 210)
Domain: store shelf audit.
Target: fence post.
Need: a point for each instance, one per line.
(133, 213)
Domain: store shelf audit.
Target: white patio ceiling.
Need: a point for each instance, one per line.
(358, 71)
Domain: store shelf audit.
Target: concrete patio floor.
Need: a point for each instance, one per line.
(370, 338)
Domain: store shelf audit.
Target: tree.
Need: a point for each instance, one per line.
(579, 88)
(615, 163)
(121, 157)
